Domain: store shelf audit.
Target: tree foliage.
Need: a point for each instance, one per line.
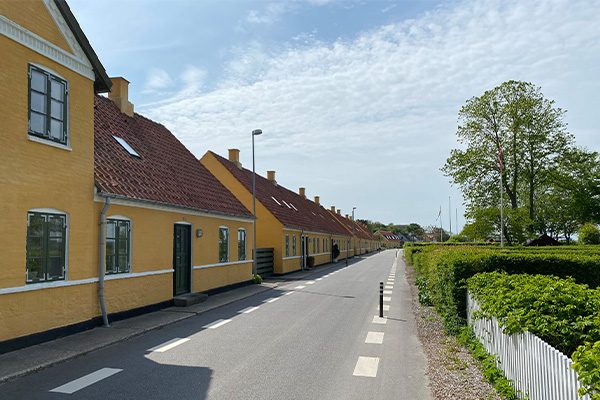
(548, 184)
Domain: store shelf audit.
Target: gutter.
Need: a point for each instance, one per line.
(102, 263)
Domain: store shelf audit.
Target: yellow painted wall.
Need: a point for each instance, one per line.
(34, 175)
(269, 231)
(35, 17)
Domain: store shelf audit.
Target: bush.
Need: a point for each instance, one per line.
(589, 234)
(559, 311)
(446, 269)
(586, 361)
(256, 278)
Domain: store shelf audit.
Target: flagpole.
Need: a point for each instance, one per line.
(450, 215)
(441, 229)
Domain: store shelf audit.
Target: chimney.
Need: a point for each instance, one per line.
(119, 94)
(333, 209)
(339, 211)
(234, 157)
(271, 177)
(347, 216)
(302, 192)
(318, 200)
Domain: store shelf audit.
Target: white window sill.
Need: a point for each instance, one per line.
(223, 264)
(49, 143)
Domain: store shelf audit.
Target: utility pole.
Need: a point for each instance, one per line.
(450, 215)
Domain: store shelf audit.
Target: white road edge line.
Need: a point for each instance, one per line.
(161, 348)
(300, 287)
(387, 292)
(288, 293)
(385, 307)
(85, 381)
(248, 310)
(366, 366)
(318, 279)
(374, 337)
(217, 323)
(310, 282)
(387, 298)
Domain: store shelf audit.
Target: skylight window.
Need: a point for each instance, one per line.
(294, 207)
(288, 206)
(126, 146)
(275, 200)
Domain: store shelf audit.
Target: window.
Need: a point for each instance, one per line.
(118, 244)
(314, 245)
(126, 146)
(318, 245)
(47, 105)
(223, 244)
(46, 247)
(287, 245)
(294, 245)
(241, 244)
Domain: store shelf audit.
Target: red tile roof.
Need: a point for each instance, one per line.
(354, 227)
(388, 235)
(166, 171)
(301, 214)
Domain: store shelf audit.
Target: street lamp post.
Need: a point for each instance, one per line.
(255, 132)
(353, 249)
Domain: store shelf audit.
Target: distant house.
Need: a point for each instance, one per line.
(389, 239)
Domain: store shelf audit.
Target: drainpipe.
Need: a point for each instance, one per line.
(303, 249)
(102, 252)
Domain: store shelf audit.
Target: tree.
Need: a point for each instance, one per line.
(515, 126)
(434, 234)
(589, 234)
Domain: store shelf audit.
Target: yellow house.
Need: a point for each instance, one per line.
(300, 231)
(74, 164)
(363, 241)
(389, 240)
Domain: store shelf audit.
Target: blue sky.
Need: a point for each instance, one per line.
(358, 100)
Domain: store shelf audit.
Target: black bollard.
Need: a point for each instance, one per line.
(381, 299)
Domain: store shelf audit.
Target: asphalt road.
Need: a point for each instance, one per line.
(308, 339)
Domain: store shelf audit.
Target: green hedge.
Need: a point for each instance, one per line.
(446, 269)
(562, 312)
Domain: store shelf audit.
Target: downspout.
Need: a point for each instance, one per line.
(303, 249)
(102, 252)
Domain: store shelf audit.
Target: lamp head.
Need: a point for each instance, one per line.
(257, 132)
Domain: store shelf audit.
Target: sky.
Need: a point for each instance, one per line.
(357, 100)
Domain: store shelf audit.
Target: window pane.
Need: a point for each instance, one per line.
(38, 81)
(55, 268)
(58, 90)
(56, 109)
(37, 123)
(123, 229)
(38, 102)
(123, 248)
(123, 264)
(110, 264)
(56, 129)
(110, 247)
(55, 247)
(34, 269)
(110, 229)
(36, 225)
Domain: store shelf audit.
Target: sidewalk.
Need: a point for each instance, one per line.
(25, 361)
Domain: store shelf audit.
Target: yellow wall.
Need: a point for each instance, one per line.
(34, 175)
(35, 17)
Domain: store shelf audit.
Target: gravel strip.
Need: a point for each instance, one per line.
(452, 371)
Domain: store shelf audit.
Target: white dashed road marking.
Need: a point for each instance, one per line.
(385, 307)
(378, 320)
(387, 292)
(387, 298)
(310, 282)
(271, 300)
(318, 279)
(288, 293)
(85, 381)
(161, 348)
(248, 310)
(217, 323)
(374, 337)
(366, 366)
(299, 287)
(389, 286)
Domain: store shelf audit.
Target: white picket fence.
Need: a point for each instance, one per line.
(536, 369)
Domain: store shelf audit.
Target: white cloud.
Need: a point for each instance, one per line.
(377, 115)
(272, 13)
(157, 80)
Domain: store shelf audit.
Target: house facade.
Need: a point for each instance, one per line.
(106, 212)
(389, 240)
(295, 227)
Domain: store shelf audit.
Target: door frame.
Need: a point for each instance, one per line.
(191, 268)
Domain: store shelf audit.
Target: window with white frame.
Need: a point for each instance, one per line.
(241, 244)
(118, 246)
(223, 244)
(48, 105)
(46, 247)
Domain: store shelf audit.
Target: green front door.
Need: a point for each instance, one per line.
(182, 259)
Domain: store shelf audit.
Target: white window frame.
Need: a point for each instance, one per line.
(240, 230)
(130, 255)
(68, 225)
(226, 228)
